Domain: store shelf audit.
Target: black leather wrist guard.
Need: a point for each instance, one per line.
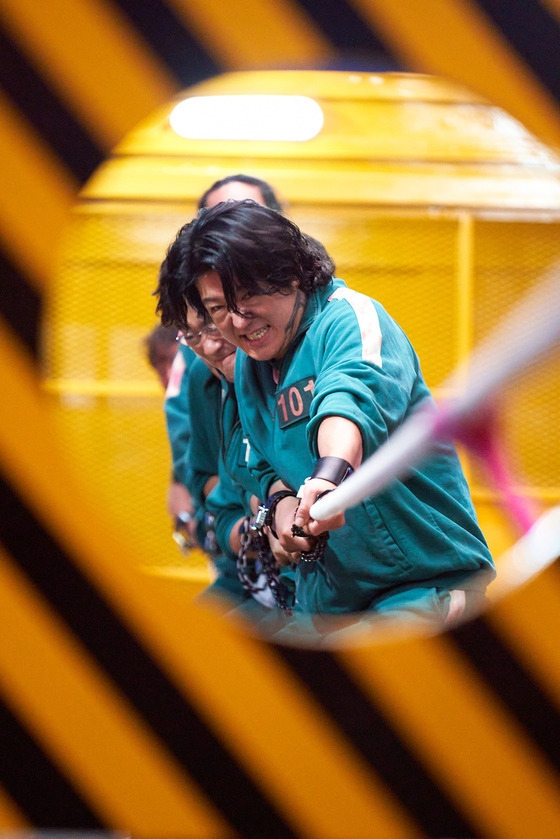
(265, 514)
(333, 469)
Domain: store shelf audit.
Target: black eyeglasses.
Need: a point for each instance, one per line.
(192, 339)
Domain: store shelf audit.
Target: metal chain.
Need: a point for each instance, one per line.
(246, 570)
(253, 539)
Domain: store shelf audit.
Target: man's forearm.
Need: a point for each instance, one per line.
(340, 437)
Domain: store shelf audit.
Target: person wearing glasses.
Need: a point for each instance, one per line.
(323, 377)
(198, 473)
(161, 349)
(213, 355)
(224, 493)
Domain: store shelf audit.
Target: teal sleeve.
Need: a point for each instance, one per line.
(228, 502)
(262, 472)
(371, 378)
(205, 399)
(259, 468)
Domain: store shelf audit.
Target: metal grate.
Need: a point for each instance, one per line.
(447, 277)
(105, 398)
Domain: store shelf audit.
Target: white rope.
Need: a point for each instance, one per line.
(530, 555)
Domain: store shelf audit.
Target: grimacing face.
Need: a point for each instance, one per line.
(266, 323)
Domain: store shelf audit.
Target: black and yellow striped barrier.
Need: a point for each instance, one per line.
(122, 706)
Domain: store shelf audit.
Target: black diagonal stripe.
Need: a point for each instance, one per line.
(20, 305)
(166, 34)
(372, 736)
(512, 683)
(343, 26)
(46, 798)
(130, 666)
(534, 33)
(35, 100)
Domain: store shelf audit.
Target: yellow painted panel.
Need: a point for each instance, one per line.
(35, 199)
(468, 48)
(371, 117)
(255, 34)
(94, 58)
(87, 729)
(474, 748)
(33, 455)
(383, 185)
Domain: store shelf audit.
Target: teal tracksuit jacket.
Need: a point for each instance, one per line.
(204, 395)
(217, 447)
(231, 498)
(349, 358)
(193, 410)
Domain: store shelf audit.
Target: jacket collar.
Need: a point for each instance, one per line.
(315, 303)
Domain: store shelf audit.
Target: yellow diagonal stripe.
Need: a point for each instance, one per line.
(471, 744)
(94, 59)
(454, 38)
(92, 734)
(35, 199)
(255, 34)
(317, 780)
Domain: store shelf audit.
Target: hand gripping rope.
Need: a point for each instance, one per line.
(265, 518)
(335, 470)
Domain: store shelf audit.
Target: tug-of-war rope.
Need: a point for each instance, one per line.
(525, 337)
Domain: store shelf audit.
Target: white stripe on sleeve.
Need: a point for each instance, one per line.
(368, 322)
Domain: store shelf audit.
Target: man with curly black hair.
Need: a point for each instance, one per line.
(323, 377)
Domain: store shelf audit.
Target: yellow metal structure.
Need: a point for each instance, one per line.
(430, 199)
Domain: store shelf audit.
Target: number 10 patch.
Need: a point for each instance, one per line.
(292, 403)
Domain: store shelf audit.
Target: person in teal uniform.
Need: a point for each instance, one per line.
(162, 349)
(222, 489)
(176, 405)
(270, 584)
(204, 389)
(323, 377)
